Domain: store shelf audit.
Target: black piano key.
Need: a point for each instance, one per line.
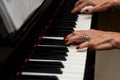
(57, 34)
(60, 32)
(50, 57)
(63, 27)
(66, 17)
(40, 77)
(43, 64)
(64, 21)
(69, 4)
(66, 13)
(47, 53)
(43, 70)
(52, 42)
(40, 48)
(65, 10)
(60, 29)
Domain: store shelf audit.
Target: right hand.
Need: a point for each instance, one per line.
(98, 5)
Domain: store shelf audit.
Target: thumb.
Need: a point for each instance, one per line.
(98, 8)
(91, 10)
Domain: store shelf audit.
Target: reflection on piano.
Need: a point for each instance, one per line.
(38, 51)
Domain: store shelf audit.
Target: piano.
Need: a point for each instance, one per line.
(37, 50)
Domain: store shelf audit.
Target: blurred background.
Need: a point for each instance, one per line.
(107, 65)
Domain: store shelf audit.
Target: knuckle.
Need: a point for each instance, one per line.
(74, 33)
(93, 45)
(116, 42)
(89, 1)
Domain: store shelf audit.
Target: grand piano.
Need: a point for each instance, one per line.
(36, 51)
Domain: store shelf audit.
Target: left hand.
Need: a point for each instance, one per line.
(98, 40)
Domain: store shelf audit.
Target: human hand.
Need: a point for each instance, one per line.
(98, 5)
(98, 40)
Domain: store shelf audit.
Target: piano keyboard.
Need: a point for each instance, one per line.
(74, 65)
(52, 59)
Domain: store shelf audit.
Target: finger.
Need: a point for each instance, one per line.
(78, 2)
(72, 34)
(74, 39)
(68, 36)
(83, 10)
(92, 43)
(97, 8)
(98, 43)
(83, 45)
(104, 7)
(79, 7)
(101, 39)
(93, 9)
(104, 46)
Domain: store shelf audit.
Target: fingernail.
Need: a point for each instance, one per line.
(65, 37)
(86, 10)
(78, 47)
(72, 11)
(66, 41)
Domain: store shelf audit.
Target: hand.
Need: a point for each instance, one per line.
(98, 40)
(98, 5)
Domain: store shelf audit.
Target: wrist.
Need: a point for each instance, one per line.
(115, 3)
(116, 43)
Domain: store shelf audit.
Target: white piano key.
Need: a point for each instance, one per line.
(74, 68)
(64, 75)
(48, 37)
(64, 62)
(83, 22)
(79, 69)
